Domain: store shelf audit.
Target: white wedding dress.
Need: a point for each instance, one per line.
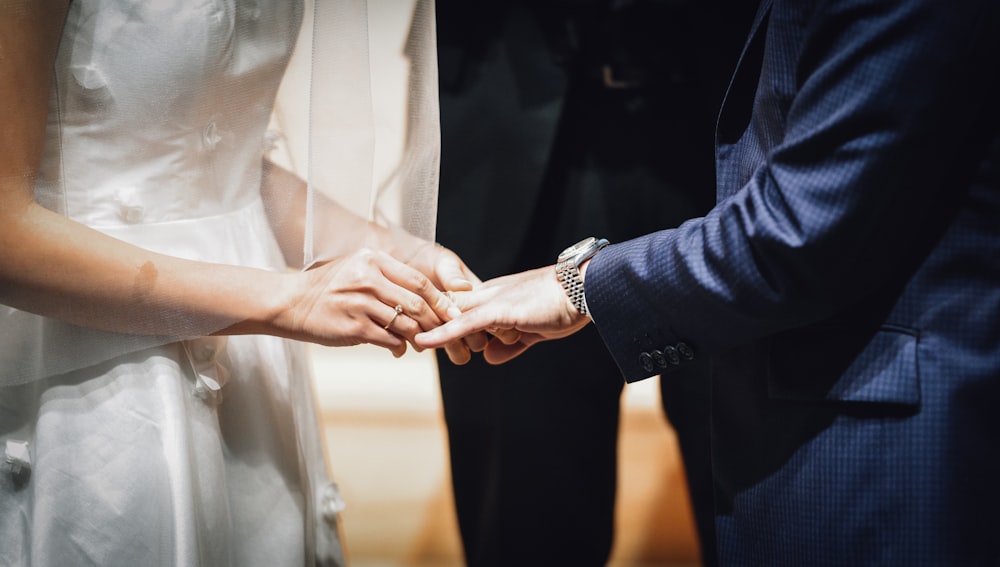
(198, 452)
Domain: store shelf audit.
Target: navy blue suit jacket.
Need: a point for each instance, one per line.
(846, 287)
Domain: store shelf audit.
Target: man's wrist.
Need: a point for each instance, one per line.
(568, 270)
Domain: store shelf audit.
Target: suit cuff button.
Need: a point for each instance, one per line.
(686, 351)
(646, 361)
(659, 359)
(671, 354)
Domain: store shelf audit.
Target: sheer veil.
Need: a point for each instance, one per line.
(321, 128)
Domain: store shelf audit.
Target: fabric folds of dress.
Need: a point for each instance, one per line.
(180, 449)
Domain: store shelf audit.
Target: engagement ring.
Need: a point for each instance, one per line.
(399, 309)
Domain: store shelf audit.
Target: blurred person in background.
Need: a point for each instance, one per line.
(559, 119)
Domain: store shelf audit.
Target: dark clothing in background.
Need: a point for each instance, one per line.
(562, 120)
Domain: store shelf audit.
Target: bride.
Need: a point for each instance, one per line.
(155, 403)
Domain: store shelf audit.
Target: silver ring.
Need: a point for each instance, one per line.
(399, 309)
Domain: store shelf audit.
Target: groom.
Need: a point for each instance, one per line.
(845, 288)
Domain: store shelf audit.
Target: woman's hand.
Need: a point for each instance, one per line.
(352, 300)
(449, 273)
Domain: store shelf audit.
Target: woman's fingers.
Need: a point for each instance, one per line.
(420, 299)
(452, 273)
(371, 297)
(419, 306)
(363, 298)
(396, 311)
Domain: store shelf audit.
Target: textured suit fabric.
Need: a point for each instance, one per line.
(537, 154)
(846, 287)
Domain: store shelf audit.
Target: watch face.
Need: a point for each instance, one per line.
(575, 249)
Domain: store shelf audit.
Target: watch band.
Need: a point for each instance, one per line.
(569, 277)
(568, 270)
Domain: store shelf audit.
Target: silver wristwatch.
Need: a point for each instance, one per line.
(568, 269)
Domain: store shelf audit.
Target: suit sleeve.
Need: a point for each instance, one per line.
(877, 137)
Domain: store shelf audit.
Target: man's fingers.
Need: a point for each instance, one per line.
(506, 336)
(476, 341)
(498, 352)
(451, 331)
(457, 353)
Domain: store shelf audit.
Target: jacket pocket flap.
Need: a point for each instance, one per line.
(837, 365)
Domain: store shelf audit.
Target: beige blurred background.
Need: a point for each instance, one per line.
(384, 428)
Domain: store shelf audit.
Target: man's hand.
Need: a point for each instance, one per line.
(523, 309)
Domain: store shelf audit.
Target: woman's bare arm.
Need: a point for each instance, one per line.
(53, 266)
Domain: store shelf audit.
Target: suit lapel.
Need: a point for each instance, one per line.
(737, 106)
